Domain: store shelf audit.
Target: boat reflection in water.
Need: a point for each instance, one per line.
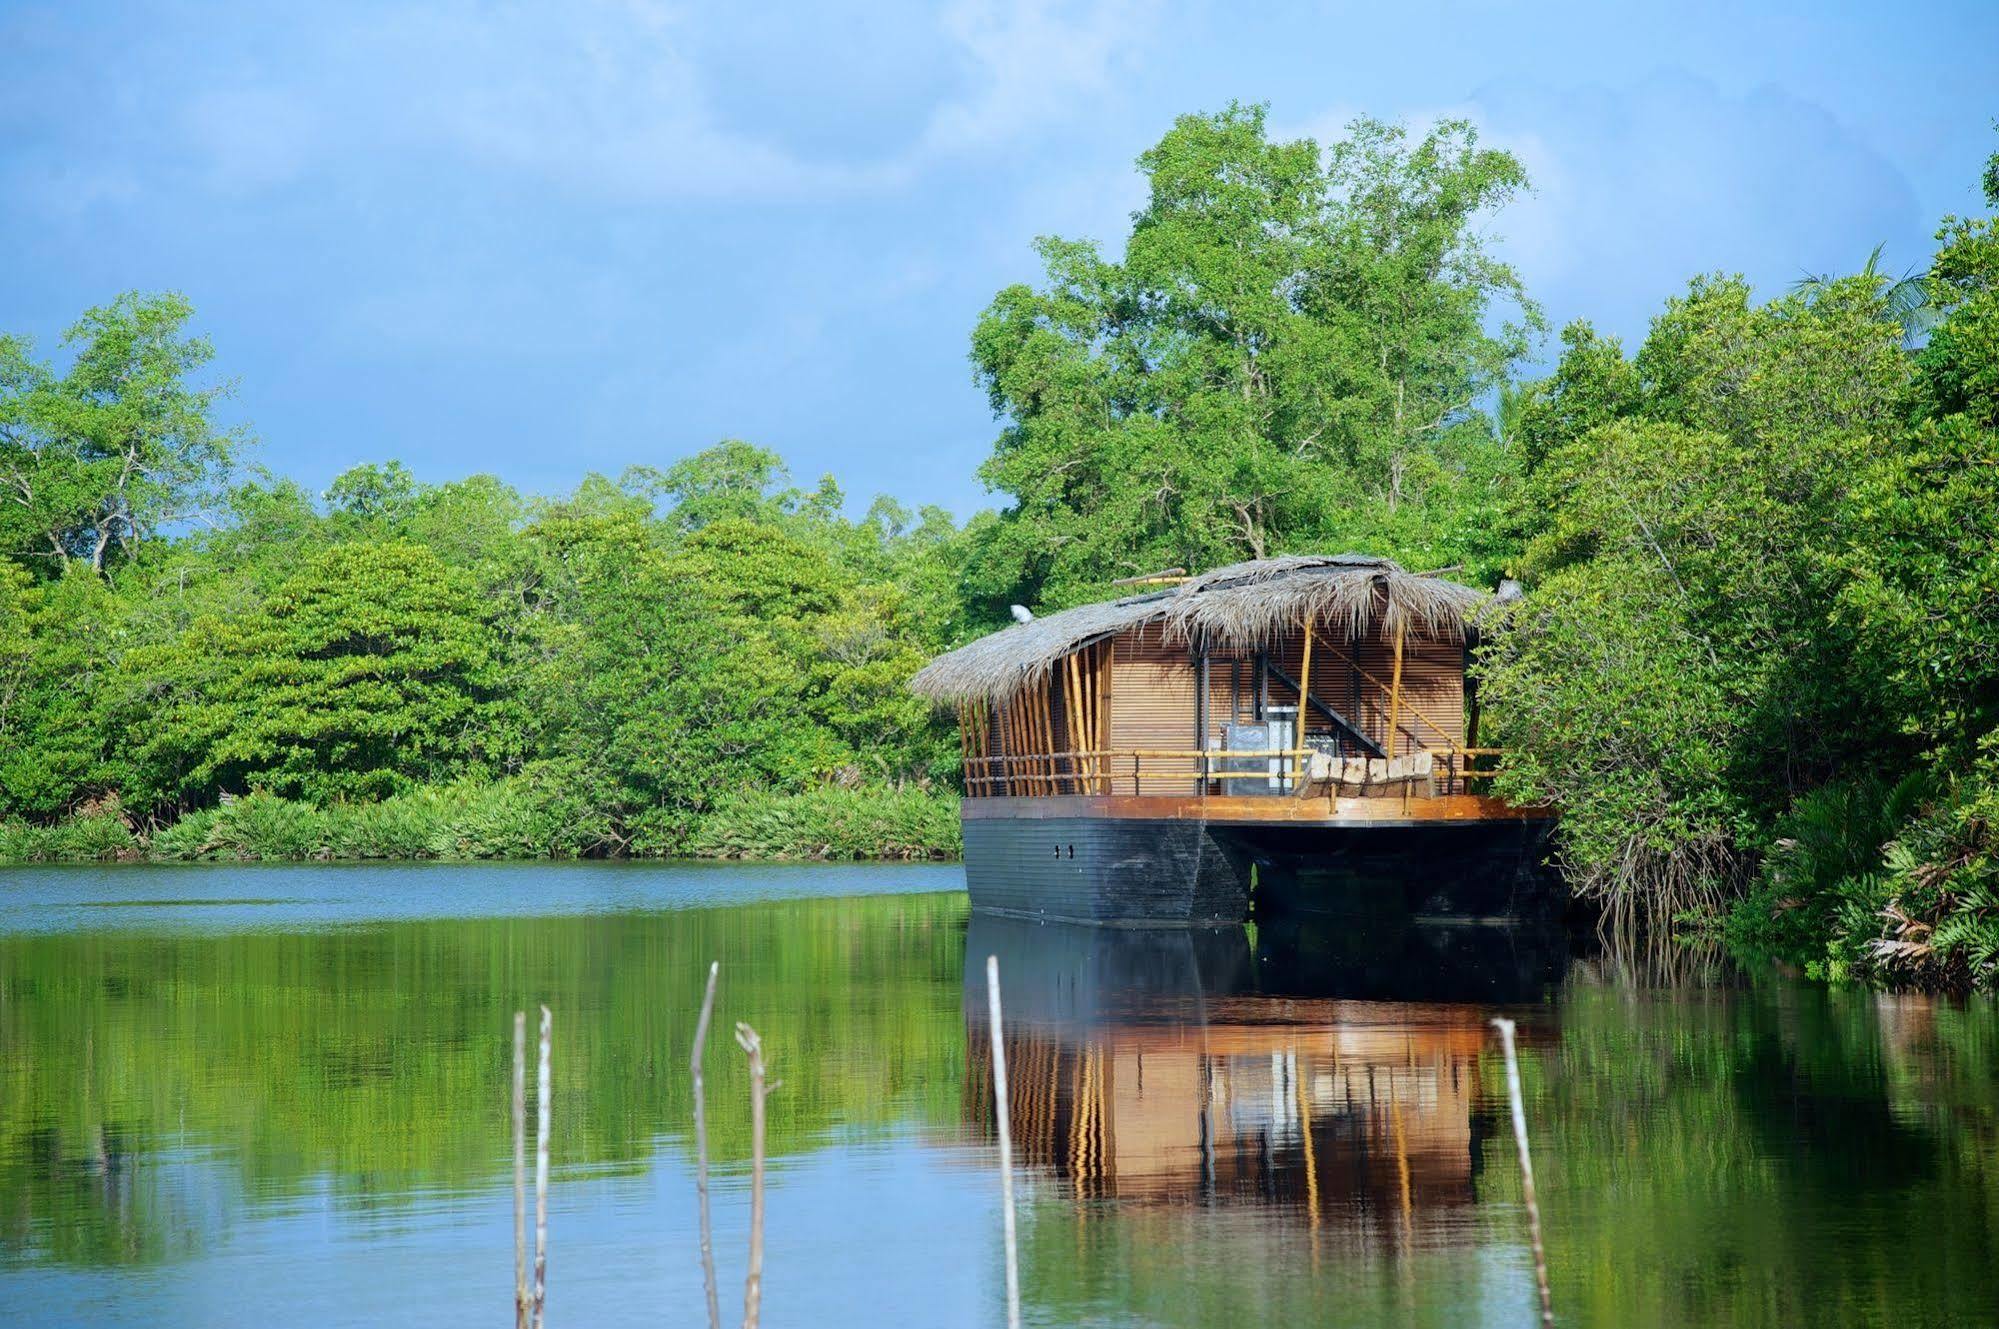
(1184, 1067)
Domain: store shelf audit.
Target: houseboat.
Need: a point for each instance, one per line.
(1301, 722)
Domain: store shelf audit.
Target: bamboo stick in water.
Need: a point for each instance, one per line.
(753, 1281)
(1005, 1144)
(541, 1175)
(701, 1148)
(1505, 1028)
(520, 1170)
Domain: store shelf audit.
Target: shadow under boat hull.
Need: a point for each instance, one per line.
(1065, 860)
(1077, 978)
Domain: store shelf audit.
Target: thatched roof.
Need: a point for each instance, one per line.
(1244, 605)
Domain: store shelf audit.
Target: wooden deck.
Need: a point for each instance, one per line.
(1388, 809)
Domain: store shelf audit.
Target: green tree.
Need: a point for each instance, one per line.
(1905, 299)
(96, 459)
(368, 670)
(58, 642)
(1289, 353)
(1674, 678)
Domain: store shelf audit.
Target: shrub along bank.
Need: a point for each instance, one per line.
(502, 819)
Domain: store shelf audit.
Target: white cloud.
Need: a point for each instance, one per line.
(1033, 62)
(1636, 190)
(611, 98)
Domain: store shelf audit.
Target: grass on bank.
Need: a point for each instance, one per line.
(505, 819)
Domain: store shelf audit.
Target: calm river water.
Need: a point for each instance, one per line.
(277, 1096)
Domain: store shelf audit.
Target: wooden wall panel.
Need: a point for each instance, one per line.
(1433, 693)
(1152, 706)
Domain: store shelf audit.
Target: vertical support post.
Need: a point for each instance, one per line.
(1395, 692)
(965, 744)
(541, 1174)
(1107, 708)
(1078, 722)
(701, 1147)
(1005, 1143)
(1010, 744)
(1048, 736)
(1023, 723)
(1304, 706)
(982, 743)
(1201, 719)
(753, 1278)
(1088, 682)
(1505, 1028)
(521, 1312)
(1471, 706)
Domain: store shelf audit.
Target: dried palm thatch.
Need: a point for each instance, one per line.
(1241, 606)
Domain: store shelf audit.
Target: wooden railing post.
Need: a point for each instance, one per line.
(1395, 692)
(1304, 701)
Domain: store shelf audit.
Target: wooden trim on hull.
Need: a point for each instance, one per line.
(1257, 810)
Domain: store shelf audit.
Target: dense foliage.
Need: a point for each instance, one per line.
(401, 669)
(1289, 354)
(1759, 649)
(1756, 665)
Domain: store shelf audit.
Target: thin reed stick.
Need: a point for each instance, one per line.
(701, 1148)
(541, 1176)
(1505, 1028)
(520, 1170)
(753, 1281)
(1005, 1144)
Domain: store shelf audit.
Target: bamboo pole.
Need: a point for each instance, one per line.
(753, 1281)
(1005, 1143)
(1505, 1028)
(1072, 700)
(1109, 702)
(1086, 737)
(541, 1174)
(1305, 705)
(1048, 732)
(520, 1170)
(1027, 766)
(1010, 741)
(1031, 744)
(1098, 730)
(1023, 721)
(1079, 725)
(965, 742)
(1395, 691)
(986, 744)
(701, 1147)
(1407, 705)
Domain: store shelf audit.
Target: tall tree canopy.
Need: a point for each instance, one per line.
(95, 459)
(1288, 354)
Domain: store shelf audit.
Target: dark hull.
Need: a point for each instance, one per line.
(1470, 872)
(1105, 870)
(1145, 871)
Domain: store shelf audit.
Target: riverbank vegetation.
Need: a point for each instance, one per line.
(690, 660)
(1754, 663)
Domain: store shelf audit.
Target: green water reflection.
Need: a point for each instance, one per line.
(1216, 1129)
(375, 1058)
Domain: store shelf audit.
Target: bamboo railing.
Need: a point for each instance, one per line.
(1102, 770)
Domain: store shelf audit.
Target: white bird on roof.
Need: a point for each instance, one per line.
(1022, 614)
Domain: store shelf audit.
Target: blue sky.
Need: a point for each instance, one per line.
(541, 239)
